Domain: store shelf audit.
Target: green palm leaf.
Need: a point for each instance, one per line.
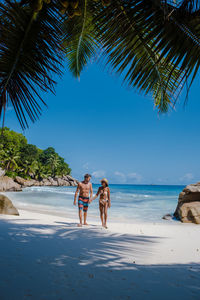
(124, 39)
(153, 44)
(30, 52)
(80, 40)
(174, 31)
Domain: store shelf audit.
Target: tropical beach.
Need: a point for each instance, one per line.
(48, 257)
(99, 149)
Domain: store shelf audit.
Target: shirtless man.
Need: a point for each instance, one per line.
(84, 189)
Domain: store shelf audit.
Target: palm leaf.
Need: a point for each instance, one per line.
(153, 44)
(30, 52)
(123, 36)
(175, 33)
(80, 40)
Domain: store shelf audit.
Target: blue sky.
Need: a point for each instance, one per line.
(108, 130)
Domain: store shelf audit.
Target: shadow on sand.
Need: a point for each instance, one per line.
(61, 261)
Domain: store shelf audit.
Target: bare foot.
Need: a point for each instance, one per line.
(85, 223)
(79, 225)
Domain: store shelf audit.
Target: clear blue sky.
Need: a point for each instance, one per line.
(101, 127)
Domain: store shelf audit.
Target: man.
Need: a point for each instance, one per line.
(84, 189)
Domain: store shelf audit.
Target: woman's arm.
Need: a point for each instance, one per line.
(109, 201)
(93, 198)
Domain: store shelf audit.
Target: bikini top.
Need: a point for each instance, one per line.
(104, 193)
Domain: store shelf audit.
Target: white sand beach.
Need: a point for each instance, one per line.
(48, 257)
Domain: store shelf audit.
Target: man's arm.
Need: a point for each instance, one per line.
(76, 193)
(91, 191)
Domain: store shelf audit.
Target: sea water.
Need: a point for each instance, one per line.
(129, 203)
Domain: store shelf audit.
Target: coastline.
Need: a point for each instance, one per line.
(48, 257)
(129, 204)
(17, 184)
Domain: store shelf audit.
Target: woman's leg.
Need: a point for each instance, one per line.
(105, 214)
(101, 213)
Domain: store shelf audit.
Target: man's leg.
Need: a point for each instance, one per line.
(80, 207)
(85, 218)
(85, 209)
(80, 217)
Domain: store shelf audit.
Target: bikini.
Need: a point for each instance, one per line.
(105, 195)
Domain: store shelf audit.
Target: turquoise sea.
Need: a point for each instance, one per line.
(130, 203)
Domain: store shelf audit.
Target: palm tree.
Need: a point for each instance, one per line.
(153, 44)
(2, 154)
(10, 160)
(53, 162)
(29, 168)
(33, 168)
(41, 172)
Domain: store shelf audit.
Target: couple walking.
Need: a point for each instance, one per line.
(84, 190)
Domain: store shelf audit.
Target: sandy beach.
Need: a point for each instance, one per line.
(48, 257)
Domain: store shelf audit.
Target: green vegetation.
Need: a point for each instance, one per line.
(153, 44)
(19, 158)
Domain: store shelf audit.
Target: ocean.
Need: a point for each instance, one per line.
(129, 203)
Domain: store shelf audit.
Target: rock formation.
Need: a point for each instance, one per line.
(8, 184)
(2, 172)
(50, 181)
(16, 184)
(188, 208)
(6, 206)
(23, 182)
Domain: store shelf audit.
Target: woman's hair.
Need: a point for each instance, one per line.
(104, 182)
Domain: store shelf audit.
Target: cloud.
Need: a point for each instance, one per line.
(119, 177)
(187, 177)
(99, 174)
(120, 174)
(134, 176)
(127, 178)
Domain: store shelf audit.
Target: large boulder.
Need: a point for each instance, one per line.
(69, 178)
(66, 180)
(52, 181)
(188, 208)
(6, 206)
(45, 182)
(63, 182)
(2, 172)
(24, 182)
(8, 184)
(72, 181)
(20, 180)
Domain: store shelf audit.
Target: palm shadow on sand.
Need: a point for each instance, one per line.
(62, 261)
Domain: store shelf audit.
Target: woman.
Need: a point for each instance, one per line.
(104, 201)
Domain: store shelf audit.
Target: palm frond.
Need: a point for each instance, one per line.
(175, 35)
(79, 40)
(123, 36)
(153, 44)
(30, 52)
